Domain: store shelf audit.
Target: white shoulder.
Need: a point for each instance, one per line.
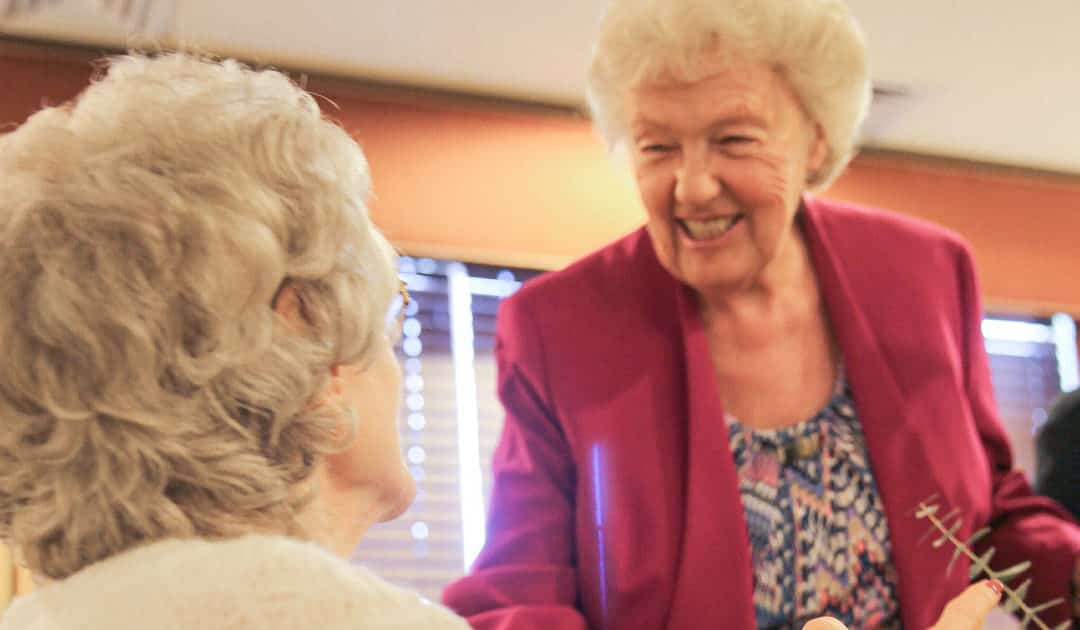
(391, 607)
(262, 583)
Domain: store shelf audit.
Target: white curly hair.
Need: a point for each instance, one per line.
(149, 389)
(815, 44)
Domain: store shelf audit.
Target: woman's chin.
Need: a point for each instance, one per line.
(712, 276)
(708, 269)
(398, 500)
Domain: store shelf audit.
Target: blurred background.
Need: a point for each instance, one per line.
(487, 173)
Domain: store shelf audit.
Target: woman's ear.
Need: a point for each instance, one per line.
(334, 395)
(819, 150)
(337, 382)
(288, 304)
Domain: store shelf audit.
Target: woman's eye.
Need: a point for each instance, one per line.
(657, 148)
(731, 140)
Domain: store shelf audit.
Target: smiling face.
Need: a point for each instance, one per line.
(721, 164)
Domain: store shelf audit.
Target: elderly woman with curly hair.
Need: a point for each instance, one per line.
(729, 417)
(198, 392)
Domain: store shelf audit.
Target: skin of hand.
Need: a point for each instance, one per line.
(967, 611)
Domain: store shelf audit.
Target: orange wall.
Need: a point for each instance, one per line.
(508, 185)
(29, 79)
(1025, 227)
(528, 189)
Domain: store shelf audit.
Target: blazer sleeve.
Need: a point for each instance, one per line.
(525, 576)
(1025, 526)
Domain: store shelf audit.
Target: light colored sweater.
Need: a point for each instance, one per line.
(256, 582)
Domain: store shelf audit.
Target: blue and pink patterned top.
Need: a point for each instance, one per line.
(818, 534)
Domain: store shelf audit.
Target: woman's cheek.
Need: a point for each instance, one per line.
(654, 188)
(761, 181)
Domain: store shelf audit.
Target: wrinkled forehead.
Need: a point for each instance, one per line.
(748, 91)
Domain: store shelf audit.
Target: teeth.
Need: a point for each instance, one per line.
(709, 228)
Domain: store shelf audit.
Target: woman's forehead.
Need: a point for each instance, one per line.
(751, 94)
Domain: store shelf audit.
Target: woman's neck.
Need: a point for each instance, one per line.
(338, 517)
(785, 284)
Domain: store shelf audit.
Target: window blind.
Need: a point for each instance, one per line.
(450, 422)
(1032, 361)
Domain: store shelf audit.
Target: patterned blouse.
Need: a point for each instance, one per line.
(818, 535)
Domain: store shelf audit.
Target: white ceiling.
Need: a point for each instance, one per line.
(986, 80)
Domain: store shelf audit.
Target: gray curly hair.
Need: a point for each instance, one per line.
(815, 44)
(149, 388)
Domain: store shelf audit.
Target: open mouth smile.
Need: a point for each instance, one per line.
(708, 229)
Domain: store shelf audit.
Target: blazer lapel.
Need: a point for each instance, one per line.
(714, 582)
(903, 473)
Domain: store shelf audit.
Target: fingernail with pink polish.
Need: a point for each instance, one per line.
(996, 586)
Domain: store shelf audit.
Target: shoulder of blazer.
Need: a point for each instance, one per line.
(624, 274)
(871, 241)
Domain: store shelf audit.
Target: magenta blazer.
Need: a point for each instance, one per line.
(616, 504)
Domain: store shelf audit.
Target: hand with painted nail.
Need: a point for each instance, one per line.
(966, 611)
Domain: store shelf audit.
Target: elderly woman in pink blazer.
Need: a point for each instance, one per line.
(729, 417)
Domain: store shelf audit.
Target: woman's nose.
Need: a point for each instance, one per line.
(695, 183)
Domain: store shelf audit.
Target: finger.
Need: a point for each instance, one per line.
(824, 623)
(969, 609)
